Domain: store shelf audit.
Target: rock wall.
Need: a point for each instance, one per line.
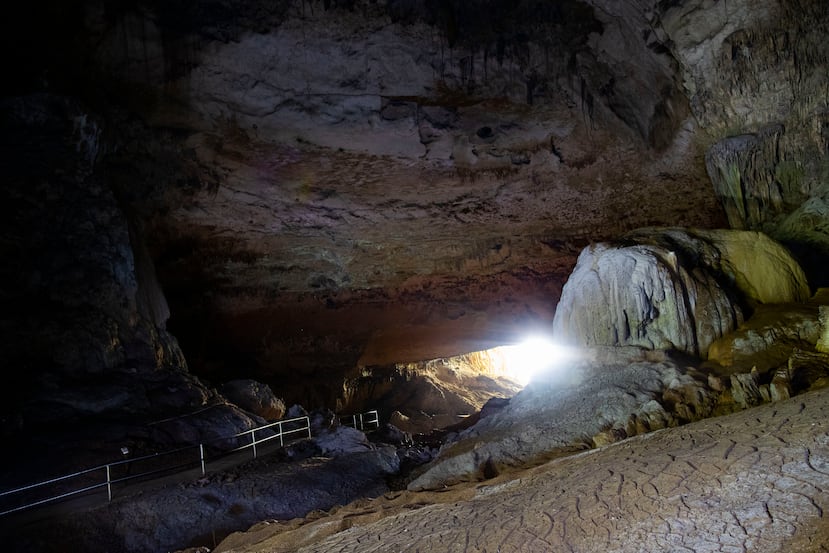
(324, 183)
(673, 288)
(72, 252)
(757, 82)
(85, 349)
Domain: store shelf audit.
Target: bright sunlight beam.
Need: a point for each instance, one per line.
(526, 359)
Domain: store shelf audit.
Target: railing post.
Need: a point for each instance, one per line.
(281, 440)
(308, 425)
(253, 441)
(201, 458)
(362, 426)
(109, 485)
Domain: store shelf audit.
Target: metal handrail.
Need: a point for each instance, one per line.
(109, 481)
(361, 420)
(370, 417)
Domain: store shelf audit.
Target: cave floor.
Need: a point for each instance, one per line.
(756, 480)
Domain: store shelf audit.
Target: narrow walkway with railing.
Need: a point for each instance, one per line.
(218, 454)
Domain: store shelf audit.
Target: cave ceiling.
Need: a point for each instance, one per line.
(358, 182)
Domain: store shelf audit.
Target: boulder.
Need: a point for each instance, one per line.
(671, 288)
(767, 339)
(341, 440)
(216, 426)
(390, 434)
(256, 397)
(587, 403)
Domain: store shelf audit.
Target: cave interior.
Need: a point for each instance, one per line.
(356, 202)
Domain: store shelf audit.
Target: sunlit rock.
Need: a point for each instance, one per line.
(620, 392)
(432, 394)
(673, 288)
(767, 339)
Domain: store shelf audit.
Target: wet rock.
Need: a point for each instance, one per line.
(256, 397)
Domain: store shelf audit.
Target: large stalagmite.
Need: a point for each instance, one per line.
(673, 288)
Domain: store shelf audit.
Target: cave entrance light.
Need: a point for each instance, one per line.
(533, 355)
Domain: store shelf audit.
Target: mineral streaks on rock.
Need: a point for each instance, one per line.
(746, 63)
(755, 74)
(761, 186)
(823, 341)
(742, 169)
(630, 296)
(672, 288)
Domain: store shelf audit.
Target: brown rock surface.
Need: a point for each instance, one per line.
(254, 397)
(299, 189)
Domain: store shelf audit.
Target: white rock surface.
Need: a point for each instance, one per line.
(673, 288)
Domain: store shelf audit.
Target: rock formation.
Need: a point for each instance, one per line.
(673, 289)
(255, 397)
(756, 80)
(767, 339)
(432, 394)
(718, 484)
(577, 405)
(311, 205)
(294, 192)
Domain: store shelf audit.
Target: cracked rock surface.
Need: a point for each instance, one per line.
(750, 482)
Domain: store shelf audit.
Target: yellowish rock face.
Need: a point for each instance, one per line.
(823, 341)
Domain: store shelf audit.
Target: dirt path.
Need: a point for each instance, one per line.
(757, 480)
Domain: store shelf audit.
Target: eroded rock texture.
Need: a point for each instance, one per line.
(754, 481)
(420, 397)
(300, 168)
(323, 186)
(673, 288)
(757, 82)
(579, 404)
